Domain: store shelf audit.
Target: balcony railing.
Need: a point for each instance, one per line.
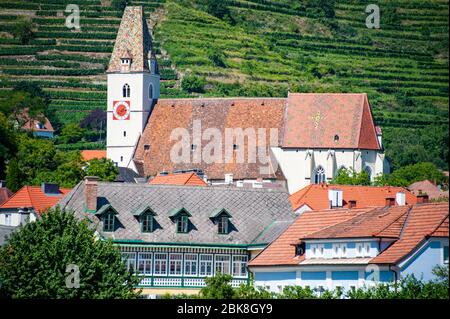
(182, 282)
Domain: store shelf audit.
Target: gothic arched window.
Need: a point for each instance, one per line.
(126, 90)
(150, 91)
(319, 175)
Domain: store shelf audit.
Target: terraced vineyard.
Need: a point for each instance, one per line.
(266, 48)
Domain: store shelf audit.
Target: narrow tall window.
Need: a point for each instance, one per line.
(446, 255)
(222, 225)
(368, 170)
(108, 221)
(146, 222)
(182, 224)
(126, 90)
(150, 91)
(319, 175)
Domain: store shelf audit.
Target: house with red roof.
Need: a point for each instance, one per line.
(43, 129)
(324, 196)
(88, 155)
(351, 248)
(29, 202)
(428, 188)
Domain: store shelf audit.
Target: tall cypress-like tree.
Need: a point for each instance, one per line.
(59, 256)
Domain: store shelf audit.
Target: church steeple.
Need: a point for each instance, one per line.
(133, 41)
(133, 86)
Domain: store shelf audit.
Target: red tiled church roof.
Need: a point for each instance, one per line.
(329, 120)
(190, 179)
(301, 120)
(33, 197)
(316, 195)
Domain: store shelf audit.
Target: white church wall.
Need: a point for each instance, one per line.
(122, 135)
(293, 164)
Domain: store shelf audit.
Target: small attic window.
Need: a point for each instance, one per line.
(235, 146)
(125, 61)
(222, 220)
(146, 147)
(336, 138)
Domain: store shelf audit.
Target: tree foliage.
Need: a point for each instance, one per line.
(71, 133)
(348, 176)
(218, 287)
(409, 174)
(103, 168)
(34, 262)
(23, 30)
(192, 83)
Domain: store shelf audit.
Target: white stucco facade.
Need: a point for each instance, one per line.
(300, 165)
(123, 135)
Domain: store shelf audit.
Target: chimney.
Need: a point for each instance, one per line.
(400, 198)
(422, 198)
(352, 203)
(335, 198)
(90, 192)
(390, 201)
(229, 178)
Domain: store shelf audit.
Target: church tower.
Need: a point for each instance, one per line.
(133, 87)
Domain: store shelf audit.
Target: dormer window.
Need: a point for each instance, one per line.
(181, 218)
(300, 249)
(146, 218)
(107, 213)
(222, 219)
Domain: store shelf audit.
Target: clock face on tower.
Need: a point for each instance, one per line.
(121, 110)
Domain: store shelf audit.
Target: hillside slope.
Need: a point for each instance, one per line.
(260, 48)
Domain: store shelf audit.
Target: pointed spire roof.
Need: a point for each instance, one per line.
(133, 39)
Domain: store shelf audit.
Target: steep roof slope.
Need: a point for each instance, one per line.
(87, 155)
(133, 41)
(329, 120)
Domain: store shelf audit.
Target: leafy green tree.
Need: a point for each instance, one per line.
(220, 10)
(218, 287)
(192, 83)
(71, 133)
(23, 30)
(8, 145)
(37, 259)
(409, 174)
(13, 175)
(103, 168)
(19, 102)
(348, 176)
(32, 88)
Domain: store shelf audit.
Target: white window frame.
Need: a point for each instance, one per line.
(155, 262)
(178, 261)
(189, 262)
(223, 263)
(130, 260)
(338, 250)
(144, 258)
(240, 261)
(207, 262)
(367, 249)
